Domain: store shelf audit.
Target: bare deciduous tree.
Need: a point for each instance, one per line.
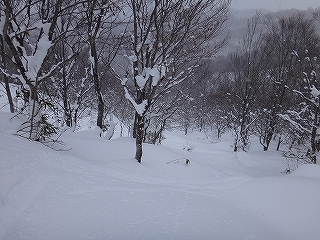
(168, 39)
(248, 73)
(29, 29)
(284, 37)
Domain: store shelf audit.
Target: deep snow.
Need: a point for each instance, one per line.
(96, 190)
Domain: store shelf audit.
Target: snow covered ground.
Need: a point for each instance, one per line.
(96, 190)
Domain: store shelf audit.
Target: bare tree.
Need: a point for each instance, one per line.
(306, 119)
(284, 37)
(220, 107)
(248, 74)
(103, 18)
(29, 29)
(168, 39)
(95, 12)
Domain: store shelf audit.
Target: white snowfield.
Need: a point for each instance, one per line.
(96, 190)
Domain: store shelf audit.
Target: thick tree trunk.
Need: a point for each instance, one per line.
(139, 136)
(100, 109)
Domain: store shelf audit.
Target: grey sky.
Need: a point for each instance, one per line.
(275, 5)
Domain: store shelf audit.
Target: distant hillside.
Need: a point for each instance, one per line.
(237, 24)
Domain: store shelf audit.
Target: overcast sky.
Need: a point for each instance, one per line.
(275, 5)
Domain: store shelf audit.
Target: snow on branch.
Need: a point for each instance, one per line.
(294, 123)
(311, 100)
(156, 72)
(140, 108)
(36, 60)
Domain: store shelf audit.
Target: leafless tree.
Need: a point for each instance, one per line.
(284, 38)
(30, 30)
(101, 19)
(248, 74)
(168, 39)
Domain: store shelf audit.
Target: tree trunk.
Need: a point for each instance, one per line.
(279, 142)
(314, 143)
(139, 136)
(236, 140)
(268, 140)
(97, 81)
(100, 109)
(7, 86)
(134, 129)
(35, 112)
(66, 105)
(219, 133)
(6, 80)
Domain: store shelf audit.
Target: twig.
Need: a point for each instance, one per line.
(175, 161)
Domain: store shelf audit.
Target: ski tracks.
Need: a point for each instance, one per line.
(179, 216)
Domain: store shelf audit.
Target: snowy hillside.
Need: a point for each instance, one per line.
(96, 190)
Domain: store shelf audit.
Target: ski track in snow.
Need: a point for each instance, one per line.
(96, 191)
(179, 216)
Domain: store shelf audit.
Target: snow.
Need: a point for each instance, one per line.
(314, 91)
(133, 58)
(141, 80)
(96, 190)
(140, 108)
(124, 81)
(156, 72)
(34, 62)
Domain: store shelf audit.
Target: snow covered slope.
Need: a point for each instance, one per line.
(96, 190)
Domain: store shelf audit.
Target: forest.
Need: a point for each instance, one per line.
(152, 66)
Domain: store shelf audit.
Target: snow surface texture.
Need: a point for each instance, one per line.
(97, 190)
